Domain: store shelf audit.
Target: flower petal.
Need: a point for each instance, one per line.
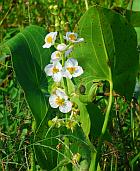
(54, 37)
(71, 36)
(56, 56)
(61, 47)
(79, 71)
(52, 101)
(46, 45)
(71, 62)
(58, 65)
(66, 73)
(67, 52)
(48, 69)
(50, 39)
(57, 77)
(79, 40)
(61, 94)
(66, 107)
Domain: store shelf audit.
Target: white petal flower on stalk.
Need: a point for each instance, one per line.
(72, 37)
(56, 56)
(61, 47)
(60, 99)
(50, 39)
(54, 70)
(71, 68)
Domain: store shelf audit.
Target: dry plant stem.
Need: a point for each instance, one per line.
(7, 13)
(131, 4)
(108, 94)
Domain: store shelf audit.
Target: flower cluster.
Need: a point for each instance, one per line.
(61, 66)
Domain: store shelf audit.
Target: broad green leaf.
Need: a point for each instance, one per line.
(97, 120)
(109, 51)
(29, 60)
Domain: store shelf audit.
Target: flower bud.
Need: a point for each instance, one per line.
(50, 7)
(50, 123)
(55, 7)
(76, 158)
(57, 24)
(62, 22)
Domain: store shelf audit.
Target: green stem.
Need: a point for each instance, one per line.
(61, 38)
(108, 109)
(86, 3)
(98, 154)
(63, 62)
(65, 85)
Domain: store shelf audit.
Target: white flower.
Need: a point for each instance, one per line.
(54, 70)
(50, 39)
(68, 51)
(60, 99)
(71, 68)
(56, 56)
(61, 47)
(72, 37)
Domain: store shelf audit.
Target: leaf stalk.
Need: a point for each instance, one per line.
(97, 155)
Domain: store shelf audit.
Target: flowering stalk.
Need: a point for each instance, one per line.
(62, 67)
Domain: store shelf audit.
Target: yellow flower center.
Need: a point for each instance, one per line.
(58, 55)
(71, 69)
(59, 101)
(72, 37)
(55, 70)
(49, 39)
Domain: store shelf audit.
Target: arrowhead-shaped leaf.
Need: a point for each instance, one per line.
(109, 51)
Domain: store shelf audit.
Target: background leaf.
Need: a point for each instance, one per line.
(29, 60)
(134, 15)
(135, 19)
(107, 55)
